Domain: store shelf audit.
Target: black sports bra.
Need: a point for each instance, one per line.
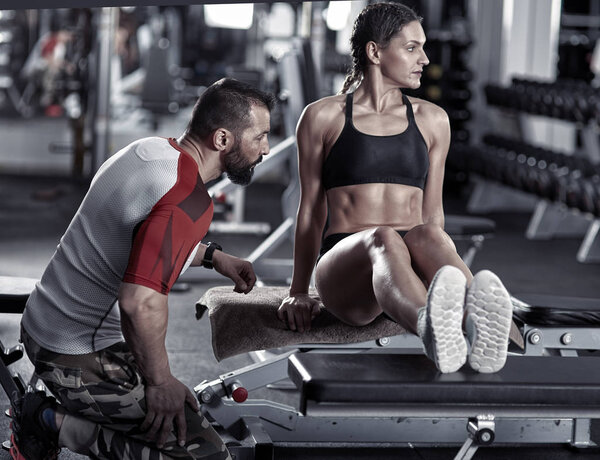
(358, 158)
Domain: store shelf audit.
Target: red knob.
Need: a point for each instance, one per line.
(239, 393)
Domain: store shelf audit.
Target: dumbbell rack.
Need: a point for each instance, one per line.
(568, 185)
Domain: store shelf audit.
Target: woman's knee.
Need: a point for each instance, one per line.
(387, 238)
(426, 235)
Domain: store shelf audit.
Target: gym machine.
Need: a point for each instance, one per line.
(382, 391)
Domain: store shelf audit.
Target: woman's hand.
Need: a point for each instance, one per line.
(298, 310)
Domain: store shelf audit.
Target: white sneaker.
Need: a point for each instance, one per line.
(440, 321)
(488, 319)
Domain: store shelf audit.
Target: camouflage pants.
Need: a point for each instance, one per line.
(103, 396)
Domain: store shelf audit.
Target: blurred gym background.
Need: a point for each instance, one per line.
(519, 80)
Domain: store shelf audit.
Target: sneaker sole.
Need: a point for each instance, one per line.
(445, 301)
(489, 309)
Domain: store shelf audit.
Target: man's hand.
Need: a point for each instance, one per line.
(298, 311)
(165, 405)
(238, 270)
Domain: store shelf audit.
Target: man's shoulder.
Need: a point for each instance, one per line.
(147, 162)
(154, 149)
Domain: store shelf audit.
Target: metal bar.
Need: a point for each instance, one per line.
(467, 450)
(263, 445)
(450, 410)
(582, 433)
(555, 220)
(540, 338)
(589, 251)
(101, 118)
(415, 430)
(7, 382)
(258, 375)
(278, 235)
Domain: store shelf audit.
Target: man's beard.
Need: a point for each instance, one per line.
(238, 169)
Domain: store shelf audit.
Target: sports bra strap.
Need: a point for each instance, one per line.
(409, 111)
(349, 98)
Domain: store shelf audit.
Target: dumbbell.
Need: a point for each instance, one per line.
(547, 186)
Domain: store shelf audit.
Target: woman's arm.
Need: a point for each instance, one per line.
(438, 136)
(299, 309)
(312, 210)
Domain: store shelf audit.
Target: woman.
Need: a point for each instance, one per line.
(371, 171)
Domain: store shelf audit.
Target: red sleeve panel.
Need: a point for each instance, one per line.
(174, 227)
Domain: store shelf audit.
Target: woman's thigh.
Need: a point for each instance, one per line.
(344, 280)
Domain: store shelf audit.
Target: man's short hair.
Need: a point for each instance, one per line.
(226, 104)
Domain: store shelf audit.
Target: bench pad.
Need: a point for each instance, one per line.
(414, 379)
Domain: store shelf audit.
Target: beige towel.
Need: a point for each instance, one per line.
(242, 323)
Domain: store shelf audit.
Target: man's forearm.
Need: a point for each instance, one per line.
(144, 328)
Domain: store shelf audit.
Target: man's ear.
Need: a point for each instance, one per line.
(223, 139)
(372, 49)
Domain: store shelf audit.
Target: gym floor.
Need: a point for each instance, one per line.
(34, 212)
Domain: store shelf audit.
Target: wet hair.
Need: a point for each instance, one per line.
(226, 104)
(378, 22)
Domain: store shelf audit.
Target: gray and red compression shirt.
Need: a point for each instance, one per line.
(140, 222)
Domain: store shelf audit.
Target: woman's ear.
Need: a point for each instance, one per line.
(372, 49)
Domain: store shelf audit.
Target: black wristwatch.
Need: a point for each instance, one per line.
(208, 255)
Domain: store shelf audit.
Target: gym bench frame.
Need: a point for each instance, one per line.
(257, 425)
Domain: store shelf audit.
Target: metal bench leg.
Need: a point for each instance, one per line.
(482, 431)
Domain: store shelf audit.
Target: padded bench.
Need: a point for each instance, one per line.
(404, 399)
(537, 383)
(397, 400)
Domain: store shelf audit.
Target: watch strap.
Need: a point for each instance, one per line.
(207, 260)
